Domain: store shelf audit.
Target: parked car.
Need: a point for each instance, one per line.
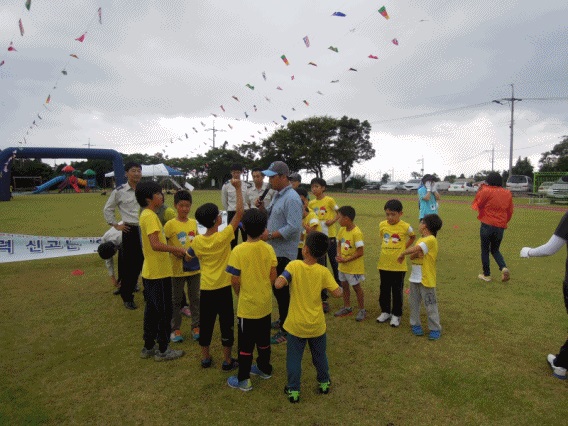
(392, 186)
(519, 183)
(413, 184)
(544, 187)
(371, 186)
(443, 186)
(559, 190)
(462, 186)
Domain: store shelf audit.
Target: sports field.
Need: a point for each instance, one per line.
(70, 350)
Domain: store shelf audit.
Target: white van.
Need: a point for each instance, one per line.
(519, 183)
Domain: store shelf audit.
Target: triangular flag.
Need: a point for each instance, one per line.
(335, 49)
(395, 41)
(1, 63)
(11, 48)
(312, 64)
(292, 78)
(279, 88)
(251, 87)
(284, 117)
(222, 108)
(100, 15)
(246, 115)
(373, 57)
(264, 75)
(28, 4)
(82, 38)
(235, 98)
(48, 100)
(307, 41)
(351, 69)
(74, 56)
(285, 59)
(21, 27)
(338, 14)
(306, 102)
(383, 11)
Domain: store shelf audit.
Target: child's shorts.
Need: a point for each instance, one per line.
(352, 279)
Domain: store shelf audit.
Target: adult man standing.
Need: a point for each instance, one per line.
(229, 200)
(282, 231)
(257, 189)
(295, 180)
(123, 198)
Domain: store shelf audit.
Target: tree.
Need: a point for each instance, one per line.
(352, 145)
(217, 163)
(450, 178)
(481, 175)
(523, 167)
(555, 160)
(385, 178)
(31, 167)
(416, 175)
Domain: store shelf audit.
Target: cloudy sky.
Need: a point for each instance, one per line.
(154, 71)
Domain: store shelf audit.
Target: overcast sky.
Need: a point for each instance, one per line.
(155, 70)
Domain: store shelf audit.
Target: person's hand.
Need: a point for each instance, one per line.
(525, 252)
(124, 227)
(329, 222)
(428, 186)
(340, 259)
(237, 183)
(264, 235)
(400, 258)
(115, 282)
(258, 203)
(434, 187)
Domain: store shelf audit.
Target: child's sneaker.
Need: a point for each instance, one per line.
(485, 278)
(275, 325)
(169, 355)
(255, 371)
(557, 372)
(230, 366)
(279, 337)
(384, 317)
(185, 311)
(505, 275)
(206, 363)
(434, 335)
(417, 330)
(324, 387)
(395, 321)
(148, 353)
(343, 312)
(195, 333)
(176, 336)
(244, 385)
(293, 396)
(361, 315)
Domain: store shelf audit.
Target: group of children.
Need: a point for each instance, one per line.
(213, 271)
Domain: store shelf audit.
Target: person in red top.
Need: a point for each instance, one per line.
(495, 207)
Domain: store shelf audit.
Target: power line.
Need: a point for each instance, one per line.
(430, 114)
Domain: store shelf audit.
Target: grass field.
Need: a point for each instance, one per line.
(70, 350)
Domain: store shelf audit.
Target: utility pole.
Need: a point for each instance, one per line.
(421, 160)
(512, 99)
(492, 151)
(89, 144)
(214, 130)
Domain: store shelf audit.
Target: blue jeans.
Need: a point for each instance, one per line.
(294, 353)
(491, 237)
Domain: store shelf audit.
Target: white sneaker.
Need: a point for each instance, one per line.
(395, 321)
(558, 372)
(384, 317)
(484, 278)
(505, 275)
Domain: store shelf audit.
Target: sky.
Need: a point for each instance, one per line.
(153, 72)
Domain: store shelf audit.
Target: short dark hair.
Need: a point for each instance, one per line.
(319, 181)
(393, 205)
(131, 164)
(254, 221)
(106, 250)
(182, 195)
(433, 223)
(317, 243)
(347, 211)
(237, 166)
(256, 169)
(207, 214)
(145, 191)
(303, 192)
(494, 179)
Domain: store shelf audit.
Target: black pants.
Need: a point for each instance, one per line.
(230, 216)
(392, 283)
(213, 303)
(282, 294)
(132, 262)
(158, 312)
(254, 332)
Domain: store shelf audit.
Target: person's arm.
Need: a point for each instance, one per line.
(415, 250)
(236, 283)
(240, 205)
(410, 241)
(273, 274)
(280, 282)
(552, 246)
(159, 246)
(358, 253)
(338, 292)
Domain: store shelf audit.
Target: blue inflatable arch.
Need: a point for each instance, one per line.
(6, 159)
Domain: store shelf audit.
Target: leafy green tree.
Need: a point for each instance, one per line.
(217, 163)
(555, 160)
(450, 178)
(32, 167)
(385, 178)
(416, 175)
(523, 167)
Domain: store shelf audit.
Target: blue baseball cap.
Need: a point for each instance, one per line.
(277, 168)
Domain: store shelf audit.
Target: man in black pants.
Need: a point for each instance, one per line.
(123, 198)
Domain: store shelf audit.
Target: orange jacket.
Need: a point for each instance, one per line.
(494, 204)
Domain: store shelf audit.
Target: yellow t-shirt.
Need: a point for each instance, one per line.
(429, 246)
(213, 253)
(253, 262)
(156, 263)
(305, 315)
(312, 221)
(325, 209)
(349, 242)
(181, 234)
(394, 239)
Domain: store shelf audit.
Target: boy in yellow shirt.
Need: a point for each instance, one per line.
(253, 268)
(423, 276)
(156, 275)
(216, 297)
(350, 249)
(310, 221)
(180, 232)
(396, 236)
(305, 322)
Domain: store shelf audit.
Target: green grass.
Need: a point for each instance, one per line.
(69, 350)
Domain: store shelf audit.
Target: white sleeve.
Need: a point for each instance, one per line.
(552, 246)
(424, 247)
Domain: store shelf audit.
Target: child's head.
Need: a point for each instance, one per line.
(207, 215)
(254, 221)
(393, 211)
(182, 202)
(303, 193)
(432, 222)
(346, 215)
(318, 186)
(149, 192)
(316, 244)
(106, 250)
